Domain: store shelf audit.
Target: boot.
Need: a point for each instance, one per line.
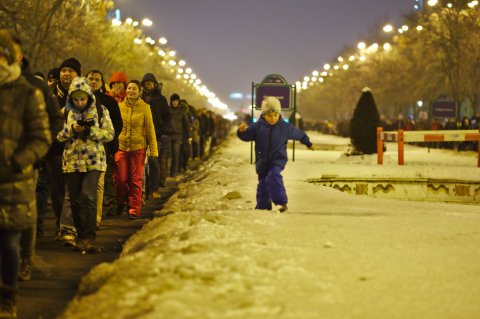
(25, 272)
(8, 302)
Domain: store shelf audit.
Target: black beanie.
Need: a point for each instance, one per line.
(174, 97)
(73, 64)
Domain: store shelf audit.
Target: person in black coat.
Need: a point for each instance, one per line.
(106, 189)
(152, 94)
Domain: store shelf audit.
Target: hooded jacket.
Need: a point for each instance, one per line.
(85, 152)
(271, 142)
(24, 139)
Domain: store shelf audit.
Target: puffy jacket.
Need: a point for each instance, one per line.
(25, 138)
(138, 130)
(271, 142)
(85, 152)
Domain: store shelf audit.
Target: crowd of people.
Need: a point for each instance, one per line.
(342, 128)
(91, 148)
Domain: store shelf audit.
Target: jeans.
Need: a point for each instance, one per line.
(83, 197)
(270, 188)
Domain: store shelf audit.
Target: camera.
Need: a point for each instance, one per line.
(86, 123)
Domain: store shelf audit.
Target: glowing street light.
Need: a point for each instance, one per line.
(326, 67)
(432, 3)
(361, 45)
(129, 21)
(147, 22)
(162, 41)
(388, 28)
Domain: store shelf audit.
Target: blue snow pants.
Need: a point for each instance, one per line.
(270, 189)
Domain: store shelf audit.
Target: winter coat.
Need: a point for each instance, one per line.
(24, 139)
(271, 142)
(138, 128)
(114, 111)
(85, 152)
(180, 122)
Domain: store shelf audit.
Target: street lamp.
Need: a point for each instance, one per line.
(388, 28)
(147, 22)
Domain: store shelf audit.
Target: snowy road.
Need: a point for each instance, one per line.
(333, 255)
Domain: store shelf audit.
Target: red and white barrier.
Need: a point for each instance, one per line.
(423, 136)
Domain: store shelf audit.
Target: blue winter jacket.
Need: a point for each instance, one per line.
(271, 142)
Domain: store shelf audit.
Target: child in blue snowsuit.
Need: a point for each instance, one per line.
(271, 134)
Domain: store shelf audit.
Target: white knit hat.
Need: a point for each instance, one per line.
(271, 104)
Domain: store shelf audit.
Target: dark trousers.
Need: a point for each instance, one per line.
(154, 172)
(184, 155)
(270, 189)
(83, 197)
(9, 256)
(163, 157)
(51, 184)
(175, 142)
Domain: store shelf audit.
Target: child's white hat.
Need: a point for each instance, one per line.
(271, 104)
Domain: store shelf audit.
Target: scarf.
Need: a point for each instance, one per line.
(9, 73)
(130, 103)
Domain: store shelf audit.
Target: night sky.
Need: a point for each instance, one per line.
(231, 43)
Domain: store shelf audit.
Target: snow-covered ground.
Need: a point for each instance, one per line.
(332, 255)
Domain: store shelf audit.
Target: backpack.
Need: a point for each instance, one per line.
(57, 146)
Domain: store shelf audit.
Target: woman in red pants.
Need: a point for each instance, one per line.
(137, 134)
